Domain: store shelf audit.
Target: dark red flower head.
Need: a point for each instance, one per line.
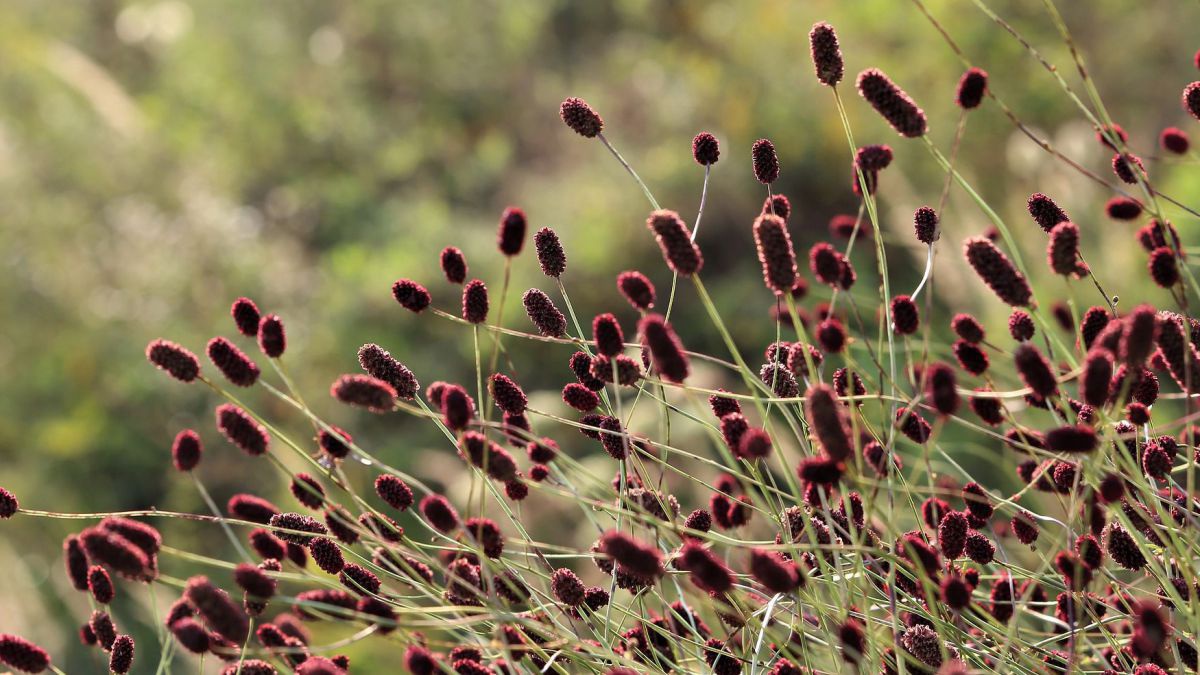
(547, 318)
(1045, 212)
(364, 391)
(682, 255)
(1128, 168)
(17, 652)
(778, 205)
(379, 364)
(222, 615)
(1191, 99)
(454, 265)
(892, 103)
(510, 235)
(940, 384)
(766, 162)
(666, 350)
(232, 362)
(606, 331)
(967, 327)
(186, 450)
(707, 571)
(1062, 252)
(440, 514)
(458, 408)
(705, 149)
(637, 289)
(580, 117)
(998, 272)
(241, 430)
(926, 225)
(100, 584)
(1174, 140)
(1164, 269)
(272, 339)
(296, 528)
(826, 419)
(1123, 208)
(1034, 370)
(550, 253)
(1077, 438)
(826, 54)
(567, 587)
(905, 316)
(411, 295)
(911, 424)
(178, 362)
(475, 301)
(971, 88)
(775, 253)
(245, 316)
(394, 491)
(634, 558)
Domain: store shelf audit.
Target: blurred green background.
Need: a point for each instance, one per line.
(159, 159)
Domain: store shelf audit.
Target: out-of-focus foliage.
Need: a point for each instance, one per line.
(160, 158)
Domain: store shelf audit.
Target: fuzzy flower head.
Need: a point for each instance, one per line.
(826, 54)
(705, 149)
(892, 103)
(579, 116)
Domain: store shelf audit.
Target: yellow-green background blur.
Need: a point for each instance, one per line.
(159, 159)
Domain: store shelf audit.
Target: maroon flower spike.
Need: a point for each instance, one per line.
(832, 335)
(454, 265)
(232, 362)
(440, 514)
(971, 88)
(665, 348)
(826, 263)
(911, 424)
(925, 224)
(827, 421)
(766, 162)
(267, 545)
(1128, 168)
(364, 391)
(1095, 380)
(411, 295)
(705, 149)
(681, 254)
(507, 394)
(707, 571)
(489, 536)
(359, 579)
(775, 253)
(1078, 438)
(104, 630)
(1141, 332)
(580, 117)
(272, 339)
(640, 561)
(580, 397)
(475, 301)
(606, 332)
(550, 253)
(251, 508)
(637, 289)
(1020, 325)
(194, 638)
(773, 572)
(1174, 140)
(327, 555)
(905, 317)
(547, 318)
(178, 362)
(1191, 99)
(245, 316)
(1045, 212)
(1122, 548)
(777, 205)
(121, 658)
(970, 357)
(998, 272)
(308, 491)
(458, 409)
(873, 158)
(221, 614)
(952, 534)
(940, 385)
(1164, 269)
(1123, 208)
(988, 409)
(826, 54)
(892, 103)
(241, 430)
(1095, 319)
(567, 587)
(381, 365)
(335, 443)
(1034, 370)
(510, 236)
(76, 562)
(394, 491)
(1184, 366)
(979, 548)
(17, 652)
(754, 444)
(968, 328)
(296, 528)
(1063, 250)
(100, 585)
(256, 582)
(723, 405)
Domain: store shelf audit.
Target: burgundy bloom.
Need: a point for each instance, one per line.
(489, 536)
(1141, 331)
(411, 295)
(827, 421)
(580, 117)
(952, 534)
(327, 555)
(892, 103)
(627, 368)
(1045, 212)
(454, 265)
(510, 236)
(547, 318)
(778, 205)
(707, 571)
(440, 514)
(251, 508)
(997, 271)
(104, 630)
(364, 391)
(1128, 167)
(296, 528)
(1123, 208)
(956, 592)
(1020, 325)
(335, 443)
(1078, 438)
(971, 88)
(221, 614)
(681, 254)
(925, 224)
(843, 226)
(76, 562)
(1034, 370)
(475, 301)
(775, 253)
(1122, 548)
(8, 504)
(100, 585)
(911, 424)
(970, 357)
(905, 316)
(637, 289)
(178, 362)
(705, 149)
(580, 397)
(606, 332)
(826, 263)
(507, 394)
(831, 335)
(359, 579)
(1024, 527)
(977, 501)
(1063, 250)
(826, 54)
(979, 549)
(550, 254)
(308, 491)
(256, 582)
(567, 587)
(1174, 140)
(1095, 319)
(379, 364)
(232, 362)
(116, 552)
(186, 450)
(121, 659)
(766, 162)
(1163, 267)
(245, 316)
(773, 572)
(873, 158)
(272, 339)
(634, 558)
(1095, 380)
(967, 327)
(665, 348)
(192, 636)
(940, 385)
(987, 408)
(754, 444)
